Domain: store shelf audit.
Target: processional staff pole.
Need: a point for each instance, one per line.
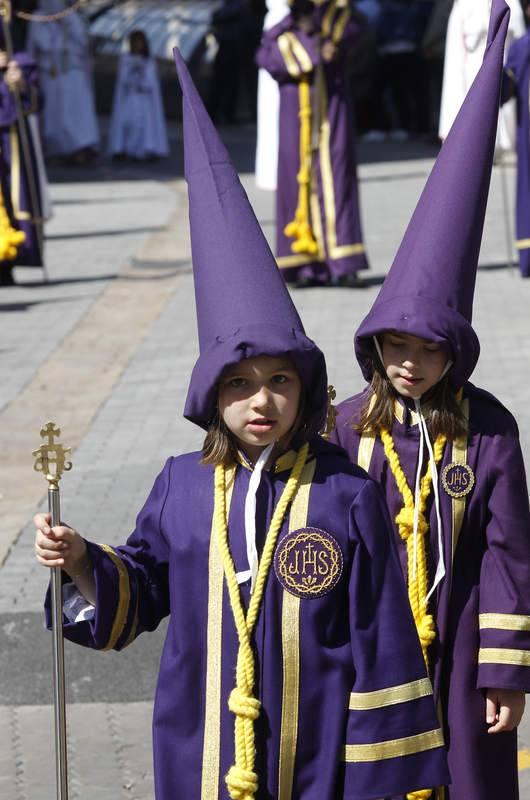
(50, 460)
(35, 210)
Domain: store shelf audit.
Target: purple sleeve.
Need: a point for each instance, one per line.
(132, 592)
(394, 744)
(288, 54)
(504, 619)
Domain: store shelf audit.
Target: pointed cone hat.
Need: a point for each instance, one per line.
(243, 306)
(429, 289)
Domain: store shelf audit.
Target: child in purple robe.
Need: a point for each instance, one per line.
(318, 225)
(448, 458)
(138, 126)
(284, 668)
(22, 184)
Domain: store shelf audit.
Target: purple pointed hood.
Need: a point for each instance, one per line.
(243, 306)
(429, 289)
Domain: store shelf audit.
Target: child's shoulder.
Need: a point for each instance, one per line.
(487, 415)
(188, 464)
(335, 464)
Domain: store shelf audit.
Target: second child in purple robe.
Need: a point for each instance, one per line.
(448, 458)
(291, 667)
(318, 226)
(20, 182)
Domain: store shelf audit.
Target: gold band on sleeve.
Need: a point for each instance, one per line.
(394, 748)
(504, 622)
(124, 597)
(504, 655)
(284, 44)
(365, 701)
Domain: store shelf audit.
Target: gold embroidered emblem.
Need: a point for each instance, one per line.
(308, 562)
(458, 479)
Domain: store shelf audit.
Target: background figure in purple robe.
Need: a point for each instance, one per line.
(448, 458)
(138, 126)
(517, 83)
(62, 50)
(289, 619)
(318, 227)
(20, 176)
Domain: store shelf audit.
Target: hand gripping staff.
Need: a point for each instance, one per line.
(50, 460)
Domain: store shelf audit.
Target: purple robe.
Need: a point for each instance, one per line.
(15, 171)
(289, 54)
(331, 668)
(482, 606)
(518, 69)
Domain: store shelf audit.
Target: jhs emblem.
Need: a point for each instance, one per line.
(458, 479)
(308, 562)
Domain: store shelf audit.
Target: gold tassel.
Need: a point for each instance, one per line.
(10, 238)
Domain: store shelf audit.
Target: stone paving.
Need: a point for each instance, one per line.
(119, 264)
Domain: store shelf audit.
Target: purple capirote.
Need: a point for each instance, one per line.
(429, 289)
(243, 306)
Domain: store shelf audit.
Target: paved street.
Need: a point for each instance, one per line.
(105, 349)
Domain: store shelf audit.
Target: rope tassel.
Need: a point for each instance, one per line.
(10, 238)
(299, 228)
(241, 779)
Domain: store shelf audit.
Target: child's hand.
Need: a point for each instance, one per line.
(329, 51)
(504, 709)
(59, 546)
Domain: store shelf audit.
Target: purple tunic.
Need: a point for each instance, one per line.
(347, 710)
(289, 55)
(482, 607)
(14, 168)
(518, 69)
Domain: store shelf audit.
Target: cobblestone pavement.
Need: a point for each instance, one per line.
(105, 349)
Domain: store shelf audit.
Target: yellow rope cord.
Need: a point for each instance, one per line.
(417, 583)
(10, 238)
(300, 228)
(241, 779)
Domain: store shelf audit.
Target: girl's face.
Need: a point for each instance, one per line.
(413, 365)
(259, 400)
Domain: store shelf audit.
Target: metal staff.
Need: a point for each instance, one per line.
(50, 460)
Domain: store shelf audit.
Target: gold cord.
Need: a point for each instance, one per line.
(241, 779)
(299, 228)
(416, 578)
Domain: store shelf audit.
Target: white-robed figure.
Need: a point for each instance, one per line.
(138, 126)
(61, 49)
(268, 110)
(464, 49)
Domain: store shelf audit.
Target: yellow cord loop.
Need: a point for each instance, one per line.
(417, 578)
(10, 238)
(241, 779)
(300, 228)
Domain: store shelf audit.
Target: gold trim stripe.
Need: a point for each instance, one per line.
(327, 20)
(124, 597)
(291, 650)
(504, 622)
(503, 655)
(523, 244)
(212, 704)
(394, 748)
(405, 692)
(286, 262)
(340, 25)
(458, 504)
(345, 250)
(300, 53)
(284, 45)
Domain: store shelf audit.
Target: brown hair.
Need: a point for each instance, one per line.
(220, 445)
(445, 418)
